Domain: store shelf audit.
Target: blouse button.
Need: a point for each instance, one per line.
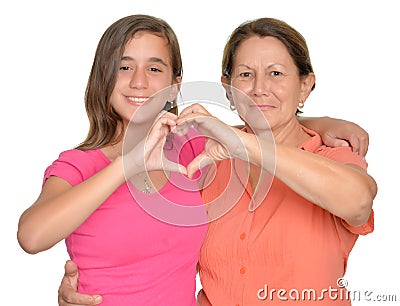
(242, 270)
(242, 236)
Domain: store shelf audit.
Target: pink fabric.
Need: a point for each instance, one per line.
(123, 253)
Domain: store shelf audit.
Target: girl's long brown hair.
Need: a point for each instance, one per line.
(102, 117)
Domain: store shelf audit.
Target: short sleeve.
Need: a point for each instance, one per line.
(364, 229)
(72, 166)
(345, 155)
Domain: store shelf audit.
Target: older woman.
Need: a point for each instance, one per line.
(287, 236)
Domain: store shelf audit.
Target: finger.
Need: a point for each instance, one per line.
(156, 137)
(355, 144)
(190, 118)
(165, 114)
(337, 142)
(181, 129)
(168, 115)
(67, 293)
(363, 149)
(188, 110)
(72, 297)
(194, 108)
(334, 141)
(161, 128)
(167, 121)
(92, 300)
(200, 161)
(364, 143)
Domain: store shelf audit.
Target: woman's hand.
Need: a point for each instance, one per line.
(223, 141)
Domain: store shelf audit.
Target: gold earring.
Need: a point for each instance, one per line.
(301, 104)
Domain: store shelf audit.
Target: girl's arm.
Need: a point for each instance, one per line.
(61, 208)
(338, 133)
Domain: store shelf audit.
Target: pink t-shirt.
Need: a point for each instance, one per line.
(127, 255)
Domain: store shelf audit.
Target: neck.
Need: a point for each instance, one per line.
(291, 134)
(134, 133)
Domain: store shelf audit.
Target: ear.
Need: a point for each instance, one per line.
(307, 83)
(175, 88)
(227, 86)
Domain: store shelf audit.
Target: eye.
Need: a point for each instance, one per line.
(276, 73)
(125, 68)
(245, 74)
(155, 69)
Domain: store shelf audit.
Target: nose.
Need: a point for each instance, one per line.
(138, 79)
(260, 86)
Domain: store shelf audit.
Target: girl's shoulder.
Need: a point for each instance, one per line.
(77, 165)
(83, 158)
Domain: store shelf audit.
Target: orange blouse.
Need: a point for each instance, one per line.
(288, 250)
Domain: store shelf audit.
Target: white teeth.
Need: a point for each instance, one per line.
(137, 100)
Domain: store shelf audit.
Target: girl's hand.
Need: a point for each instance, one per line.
(148, 154)
(339, 133)
(345, 133)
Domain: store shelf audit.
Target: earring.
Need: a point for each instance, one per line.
(168, 105)
(232, 107)
(301, 104)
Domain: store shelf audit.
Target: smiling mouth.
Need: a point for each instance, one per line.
(262, 107)
(137, 100)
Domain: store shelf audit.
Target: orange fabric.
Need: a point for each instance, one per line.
(286, 243)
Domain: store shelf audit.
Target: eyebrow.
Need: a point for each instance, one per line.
(269, 66)
(245, 66)
(151, 60)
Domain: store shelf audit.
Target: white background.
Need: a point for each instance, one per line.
(46, 53)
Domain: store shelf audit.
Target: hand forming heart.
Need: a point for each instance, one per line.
(223, 142)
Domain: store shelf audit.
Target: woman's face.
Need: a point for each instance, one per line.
(144, 70)
(266, 73)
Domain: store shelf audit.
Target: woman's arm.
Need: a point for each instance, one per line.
(338, 133)
(345, 190)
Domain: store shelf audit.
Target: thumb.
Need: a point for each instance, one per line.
(71, 269)
(174, 167)
(200, 161)
(332, 141)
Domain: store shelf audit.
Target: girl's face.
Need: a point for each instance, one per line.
(144, 70)
(266, 73)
